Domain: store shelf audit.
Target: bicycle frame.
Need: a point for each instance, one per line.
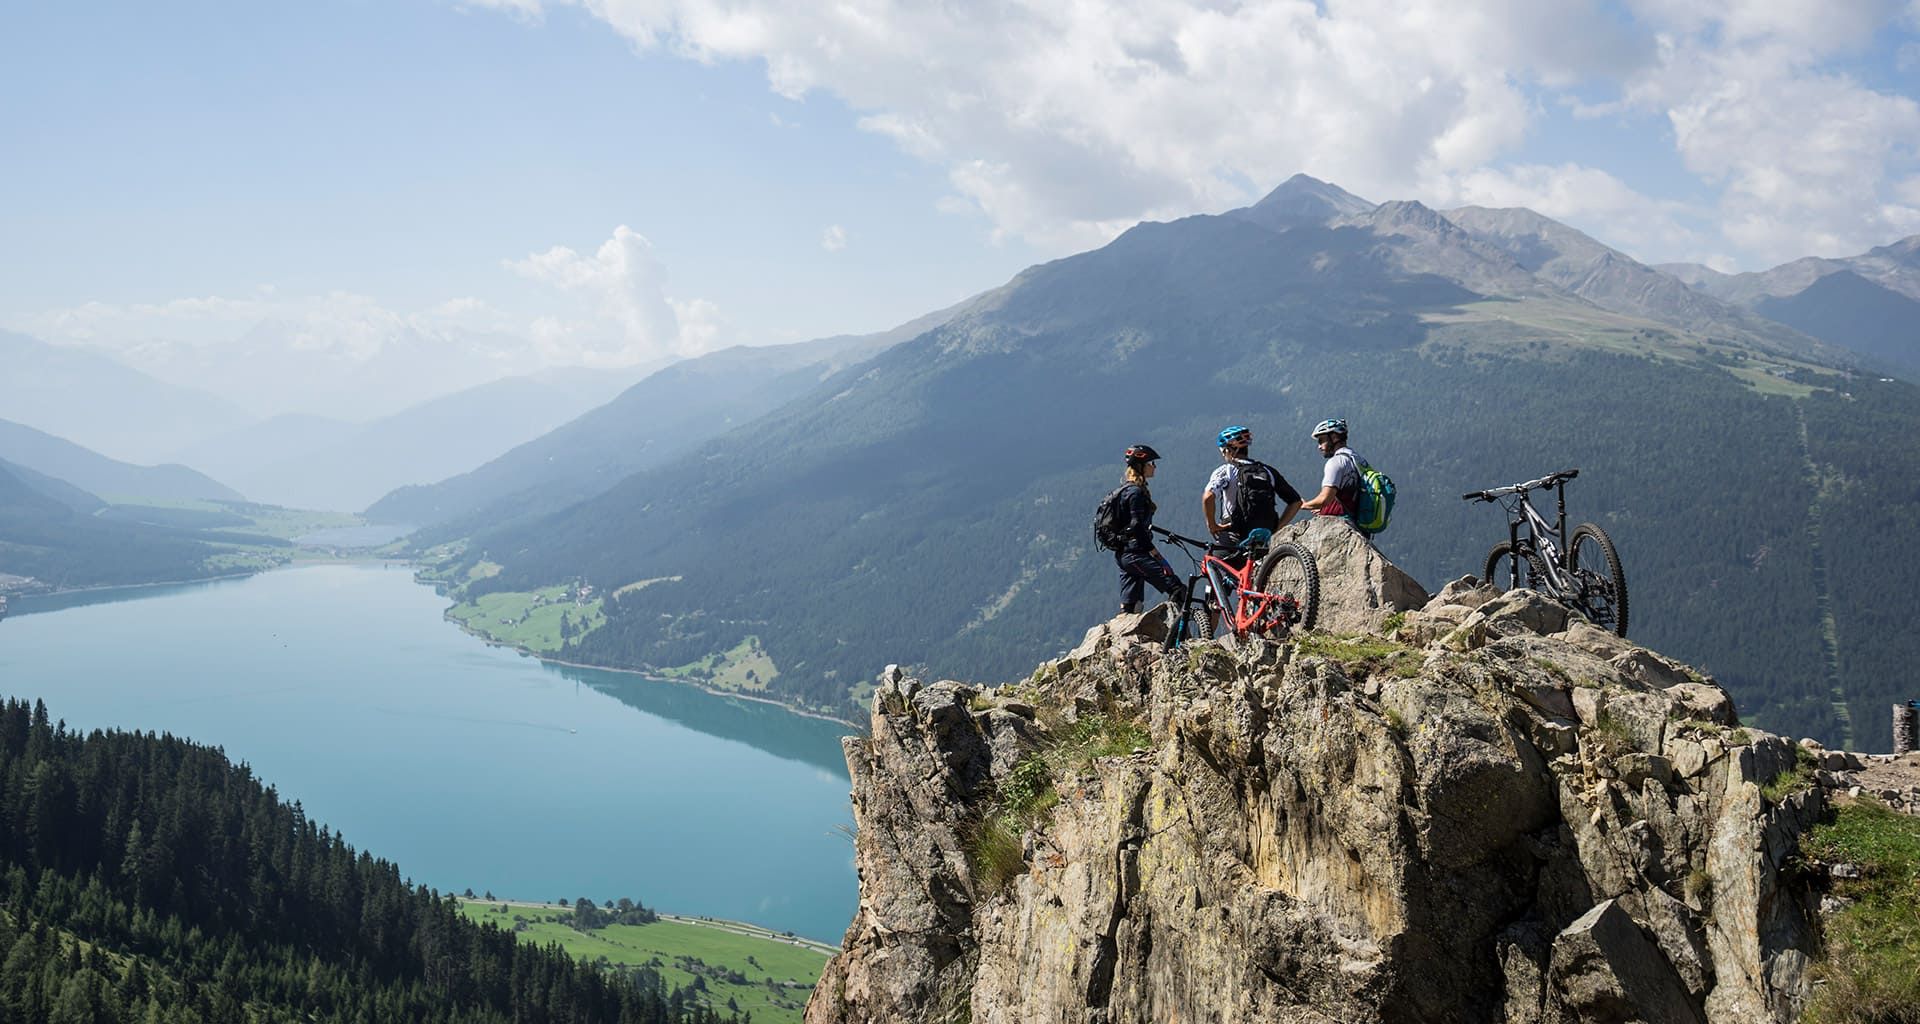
(1548, 540)
(1249, 605)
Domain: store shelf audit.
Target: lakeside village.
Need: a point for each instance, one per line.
(11, 584)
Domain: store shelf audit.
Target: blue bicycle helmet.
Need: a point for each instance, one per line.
(1234, 435)
(1330, 427)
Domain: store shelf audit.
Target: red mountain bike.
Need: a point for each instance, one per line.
(1268, 591)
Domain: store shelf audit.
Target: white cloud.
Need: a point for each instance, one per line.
(1065, 122)
(343, 353)
(622, 316)
(1062, 123)
(1805, 158)
(1649, 229)
(834, 238)
(529, 10)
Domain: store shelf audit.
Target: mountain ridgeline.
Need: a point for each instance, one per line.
(929, 505)
(649, 424)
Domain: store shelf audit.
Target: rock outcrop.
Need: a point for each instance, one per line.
(1496, 813)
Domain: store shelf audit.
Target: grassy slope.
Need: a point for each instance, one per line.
(1871, 965)
(667, 947)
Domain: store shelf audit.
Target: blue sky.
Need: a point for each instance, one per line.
(603, 182)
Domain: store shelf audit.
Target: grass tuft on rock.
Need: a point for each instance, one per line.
(1791, 780)
(995, 854)
(1363, 655)
(1870, 968)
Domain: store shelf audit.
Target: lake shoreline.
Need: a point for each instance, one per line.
(649, 676)
(293, 563)
(748, 928)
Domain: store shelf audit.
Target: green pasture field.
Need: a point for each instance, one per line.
(529, 620)
(265, 520)
(777, 984)
(746, 667)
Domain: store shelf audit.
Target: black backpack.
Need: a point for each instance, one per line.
(1258, 505)
(1110, 519)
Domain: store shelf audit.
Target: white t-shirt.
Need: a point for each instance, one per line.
(1224, 484)
(1342, 473)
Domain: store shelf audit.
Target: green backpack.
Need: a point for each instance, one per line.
(1376, 499)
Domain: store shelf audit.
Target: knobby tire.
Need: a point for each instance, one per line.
(1602, 578)
(1288, 569)
(1499, 571)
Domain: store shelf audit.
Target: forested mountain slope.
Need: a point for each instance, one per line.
(650, 423)
(931, 505)
(46, 532)
(147, 878)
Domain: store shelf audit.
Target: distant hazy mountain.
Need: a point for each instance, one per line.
(1895, 267)
(1862, 303)
(1850, 310)
(660, 418)
(101, 404)
(281, 368)
(93, 472)
(929, 506)
(312, 462)
(1611, 279)
(239, 453)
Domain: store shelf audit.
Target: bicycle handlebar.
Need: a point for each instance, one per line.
(1546, 481)
(1176, 538)
(1209, 545)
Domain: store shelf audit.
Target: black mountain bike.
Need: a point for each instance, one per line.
(1245, 589)
(1581, 570)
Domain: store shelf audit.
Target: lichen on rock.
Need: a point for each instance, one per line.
(1498, 813)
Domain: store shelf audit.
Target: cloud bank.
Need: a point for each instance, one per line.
(1064, 123)
(344, 354)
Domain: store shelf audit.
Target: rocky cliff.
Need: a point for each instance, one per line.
(1470, 808)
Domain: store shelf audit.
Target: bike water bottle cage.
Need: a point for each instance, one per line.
(1325, 427)
(1234, 435)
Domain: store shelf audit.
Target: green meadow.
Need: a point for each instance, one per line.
(767, 975)
(532, 620)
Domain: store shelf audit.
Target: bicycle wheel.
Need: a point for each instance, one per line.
(1200, 621)
(1603, 585)
(1499, 571)
(1289, 570)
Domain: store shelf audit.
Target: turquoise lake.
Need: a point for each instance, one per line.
(469, 766)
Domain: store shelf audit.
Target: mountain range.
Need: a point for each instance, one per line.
(1866, 303)
(313, 462)
(104, 405)
(928, 505)
(652, 422)
(90, 471)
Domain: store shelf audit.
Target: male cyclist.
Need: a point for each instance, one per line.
(1244, 494)
(1340, 480)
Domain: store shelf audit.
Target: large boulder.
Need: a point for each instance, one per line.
(1359, 587)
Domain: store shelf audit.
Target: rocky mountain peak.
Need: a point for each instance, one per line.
(1302, 200)
(1480, 808)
